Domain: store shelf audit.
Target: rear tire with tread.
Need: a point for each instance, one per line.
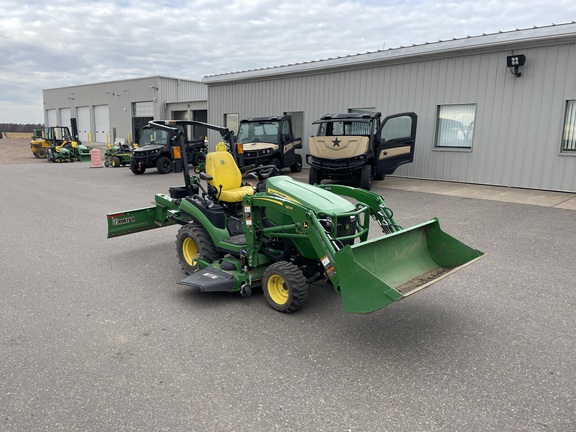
(193, 242)
(164, 165)
(285, 287)
(296, 167)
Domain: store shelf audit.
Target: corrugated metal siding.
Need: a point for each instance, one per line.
(120, 97)
(518, 124)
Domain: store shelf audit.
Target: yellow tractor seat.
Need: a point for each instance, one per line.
(226, 177)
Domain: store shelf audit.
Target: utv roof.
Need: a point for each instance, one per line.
(264, 119)
(350, 116)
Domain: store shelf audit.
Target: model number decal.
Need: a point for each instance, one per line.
(123, 221)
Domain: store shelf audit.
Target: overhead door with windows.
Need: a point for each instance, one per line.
(51, 117)
(101, 123)
(83, 123)
(142, 113)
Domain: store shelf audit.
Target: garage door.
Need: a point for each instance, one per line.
(51, 117)
(83, 123)
(65, 117)
(101, 123)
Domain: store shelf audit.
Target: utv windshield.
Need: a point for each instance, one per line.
(258, 132)
(344, 128)
(153, 137)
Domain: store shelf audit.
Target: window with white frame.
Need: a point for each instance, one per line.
(455, 126)
(569, 135)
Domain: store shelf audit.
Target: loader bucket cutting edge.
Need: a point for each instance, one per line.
(378, 272)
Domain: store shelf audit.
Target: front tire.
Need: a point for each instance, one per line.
(285, 287)
(314, 176)
(136, 168)
(193, 242)
(40, 153)
(366, 177)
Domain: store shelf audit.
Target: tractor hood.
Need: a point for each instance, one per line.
(313, 197)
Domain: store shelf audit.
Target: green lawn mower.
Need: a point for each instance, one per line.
(117, 154)
(282, 235)
(68, 152)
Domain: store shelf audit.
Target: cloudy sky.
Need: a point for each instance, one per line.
(56, 43)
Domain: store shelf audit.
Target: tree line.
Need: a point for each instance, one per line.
(18, 127)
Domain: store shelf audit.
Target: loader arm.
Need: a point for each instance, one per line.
(381, 213)
(301, 226)
(369, 274)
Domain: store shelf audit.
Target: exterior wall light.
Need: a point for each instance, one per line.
(514, 62)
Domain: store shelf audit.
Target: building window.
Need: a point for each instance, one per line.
(143, 109)
(231, 121)
(361, 110)
(569, 135)
(455, 126)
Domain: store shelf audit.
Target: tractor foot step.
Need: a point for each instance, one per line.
(210, 279)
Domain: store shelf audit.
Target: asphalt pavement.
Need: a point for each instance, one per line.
(98, 336)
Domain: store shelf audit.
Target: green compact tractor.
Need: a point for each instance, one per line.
(117, 154)
(283, 234)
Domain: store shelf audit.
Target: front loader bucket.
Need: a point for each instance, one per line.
(377, 272)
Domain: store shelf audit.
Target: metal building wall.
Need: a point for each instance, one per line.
(119, 97)
(518, 123)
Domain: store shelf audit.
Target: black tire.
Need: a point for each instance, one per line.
(285, 287)
(198, 159)
(296, 167)
(40, 153)
(116, 162)
(164, 165)
(136, 168)
(366, 177)
(276, 162)
(193, 242)
(314, 176)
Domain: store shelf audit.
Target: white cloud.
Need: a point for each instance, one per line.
(47, 44)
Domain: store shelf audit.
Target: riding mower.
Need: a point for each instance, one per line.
(117, 154)
(68, 152)
(283, 235)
